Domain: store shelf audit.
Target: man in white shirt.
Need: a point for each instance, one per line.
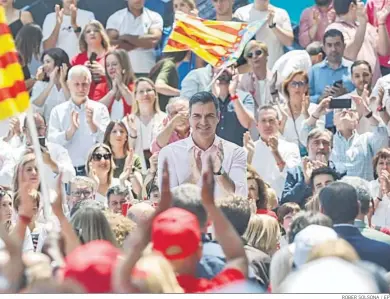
(80, 122)
(55, 157)
(138, 30)
(196, 80)
(276, 31)
(188, 157)
(61, 29)
(273, 155)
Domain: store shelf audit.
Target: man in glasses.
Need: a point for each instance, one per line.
(81, 188)
(366, 207)
(352, 152)
(55, 157)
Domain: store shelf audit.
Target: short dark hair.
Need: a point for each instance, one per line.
(333, 33)
(59, 56)
(341, 7)
(360, 62)
(323, 170)
(269, 107)
(117, 190)
(339, 201)
(362, 188)
(317, 132)
(204, 97)
(237, 210)
(304, 219)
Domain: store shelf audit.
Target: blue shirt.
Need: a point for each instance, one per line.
(321, 76)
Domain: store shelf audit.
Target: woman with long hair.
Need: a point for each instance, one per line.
(166, 77)
(16, 18)
(100, 167)
(53, 89)
(145, 119)
(6, 208)
(119, 87)
(94, 45)
(297, 108)
(28, 43)
(117, 138)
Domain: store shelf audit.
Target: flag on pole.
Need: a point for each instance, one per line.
(218, 43)
(14, 97)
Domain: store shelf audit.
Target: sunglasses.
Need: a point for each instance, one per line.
(98, 157)
(255, 53)
(298, 84)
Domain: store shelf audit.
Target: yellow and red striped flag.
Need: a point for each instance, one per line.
(216, 42)
(14, 97)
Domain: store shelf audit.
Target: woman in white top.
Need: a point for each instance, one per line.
(381, 164)
(100, 167)
(145, 119)
(297, 108)
(52, 90)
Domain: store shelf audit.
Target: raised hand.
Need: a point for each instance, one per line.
(75, 123)
(218, 160)
(166, 195)
(271, 16)
(331, 15)
(57, 204)
(250, 146)
(131, 124)
(195, 166)
(316, 17)
(307, 169)
(384, 181)
(54, 75)
(89, 114)
(73, 14)
(305, 105)
(361, 13)
(128, 167)
(361, 105)
(234, 83)
(208, 185)
(153, 160)
(59, 14)
(273, 143)
(383, 13)
(93, 174)
(40, 75)
(63, 72)
(322, 108)
(179, 119)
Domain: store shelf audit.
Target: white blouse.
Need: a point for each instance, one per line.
(382, 212)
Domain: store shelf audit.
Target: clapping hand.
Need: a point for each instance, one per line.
(54, 75)
(89, 114)
(59, 14)
(128, 168)
(250, 147)
(208, 185)
(75, 123)
(57, 204)
(166, 195)
(273, 143)
(217, 162)
(131, 124)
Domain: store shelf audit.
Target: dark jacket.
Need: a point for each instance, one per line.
(295, 188)
(368, 250)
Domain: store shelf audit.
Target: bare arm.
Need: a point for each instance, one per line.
(244, 116)
(383, 40)
(126, 93)
(353, 47)
(52, 40)
(147, 41)
(108, 98)
(167, 90)
(286, 37)
(164, 136)
(41, 99)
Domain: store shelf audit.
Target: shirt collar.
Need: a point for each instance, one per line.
(354, 133)
(191, 144)
(129, 11)
(77, 108)
(344, 63)
(359, 223)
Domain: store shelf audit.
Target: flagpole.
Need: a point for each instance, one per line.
(39, 160)
(216, 77)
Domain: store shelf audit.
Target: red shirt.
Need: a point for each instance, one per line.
(267, 212)
(96, 92)
(191, 284)
(103, 88)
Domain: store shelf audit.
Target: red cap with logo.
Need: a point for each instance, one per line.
(92, 265)
(176, 234)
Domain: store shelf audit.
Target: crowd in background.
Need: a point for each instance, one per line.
(168, 175)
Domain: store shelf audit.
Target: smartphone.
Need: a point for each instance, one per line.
(338, 83)
(93, 57)
(340, 103)
(42, 141)
(125, 208)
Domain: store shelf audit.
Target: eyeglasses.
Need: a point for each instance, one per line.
(98, 157)
(255, 53)
(296, 84)
(79, 193)
(149, 90)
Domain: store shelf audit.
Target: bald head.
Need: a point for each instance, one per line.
(140, 212)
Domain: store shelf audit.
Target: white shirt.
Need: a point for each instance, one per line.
(82, 141)
(248, 13)
(142, 60)
(178, 154)
(381, 216)
(60, 156)
(296, 60)
(67, 38)
(117, 110)
(54, 98)
(265, 164)
(7, 164)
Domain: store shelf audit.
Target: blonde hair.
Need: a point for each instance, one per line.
(336, 248)
(313, 204)
(157, 274)
(121, 226)
(255, 43)
(135, 107)
(263, 233)
(97, 25)
(89, 159)
(27, 158)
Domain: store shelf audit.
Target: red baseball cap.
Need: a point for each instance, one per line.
(176, 233)
(92, 265)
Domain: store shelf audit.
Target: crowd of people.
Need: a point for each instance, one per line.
(168, 175)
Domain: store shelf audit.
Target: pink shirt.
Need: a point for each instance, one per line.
(373, 6)
(155, 147)
(368, 51)
(306, 23)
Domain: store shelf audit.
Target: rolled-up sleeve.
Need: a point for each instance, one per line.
(61, 157)
(165, 155)
(379, 138)
(102, 121)
(237, 172)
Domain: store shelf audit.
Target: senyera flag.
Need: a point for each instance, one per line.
(14, 97)
(218, 43)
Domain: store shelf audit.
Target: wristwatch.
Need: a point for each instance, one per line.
(272, 25)
(369, 115)
(220, 172)
(77, 29)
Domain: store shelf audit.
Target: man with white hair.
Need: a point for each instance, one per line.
(80, 122)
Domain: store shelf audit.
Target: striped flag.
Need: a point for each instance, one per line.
(14, 97)
(216, 42)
